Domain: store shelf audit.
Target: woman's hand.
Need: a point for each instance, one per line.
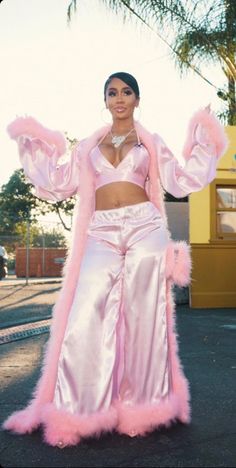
(208, 108)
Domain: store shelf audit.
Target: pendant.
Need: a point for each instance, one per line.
(117, 140)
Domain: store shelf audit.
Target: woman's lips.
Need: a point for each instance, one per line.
(120, 109)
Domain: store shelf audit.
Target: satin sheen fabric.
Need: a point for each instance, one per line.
(115, 344)
(60, 180)
(40, 151)
(133, 167)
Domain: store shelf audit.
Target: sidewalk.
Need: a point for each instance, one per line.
(12, 280)
(208, 353)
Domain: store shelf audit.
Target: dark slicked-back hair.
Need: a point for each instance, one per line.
(127, 78)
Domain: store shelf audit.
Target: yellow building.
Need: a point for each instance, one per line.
(213, 235)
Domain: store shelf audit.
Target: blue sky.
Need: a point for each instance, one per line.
(56, 73)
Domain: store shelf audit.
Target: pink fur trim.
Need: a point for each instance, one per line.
(23, 421)
(60, 425)
(143, 418)
(45, 388)
(214, 129)
(31, 127)
(178, 263)
(180, 386)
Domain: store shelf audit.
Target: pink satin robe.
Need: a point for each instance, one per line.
(139, 398)
(54, 181)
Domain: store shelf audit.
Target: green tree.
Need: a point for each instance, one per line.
(41, 237)
(18, 204)
(198, 32)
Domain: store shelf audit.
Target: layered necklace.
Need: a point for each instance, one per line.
(117, 140)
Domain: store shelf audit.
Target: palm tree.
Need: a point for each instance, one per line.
(198, 32)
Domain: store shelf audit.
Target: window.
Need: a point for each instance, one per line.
(224, 211)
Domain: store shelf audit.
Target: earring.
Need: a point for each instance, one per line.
(104, 115)
(137, 114)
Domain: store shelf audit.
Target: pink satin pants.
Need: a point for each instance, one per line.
(115, 345)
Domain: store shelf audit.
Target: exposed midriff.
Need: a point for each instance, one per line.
(118, 194)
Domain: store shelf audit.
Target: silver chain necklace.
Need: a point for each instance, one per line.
(117, 140)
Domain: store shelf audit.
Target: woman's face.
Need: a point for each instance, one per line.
(120, 99)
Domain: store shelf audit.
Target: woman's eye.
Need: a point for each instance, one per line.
(111, 93)
(128, 92)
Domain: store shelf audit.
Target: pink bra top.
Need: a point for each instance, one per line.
(133, 168)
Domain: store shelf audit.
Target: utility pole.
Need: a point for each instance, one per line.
(43, 256)
(27, 251)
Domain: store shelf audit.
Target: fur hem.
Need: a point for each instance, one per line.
(180, 385)
(32, 128)
(23, 421)
(67, 428)
(143, 418)
(178, 263)
(215, 132)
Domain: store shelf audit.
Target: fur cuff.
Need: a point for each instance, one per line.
(214, 131)
(32, 128)
(178, 263)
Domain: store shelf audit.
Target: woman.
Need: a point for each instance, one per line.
(112, 360)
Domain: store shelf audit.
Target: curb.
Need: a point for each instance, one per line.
(20, 332)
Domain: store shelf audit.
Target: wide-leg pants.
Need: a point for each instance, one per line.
(115, 345)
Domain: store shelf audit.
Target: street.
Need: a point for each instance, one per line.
(207, 349)
(20, 303)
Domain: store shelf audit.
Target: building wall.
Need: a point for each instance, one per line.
(214, 259)
(213, 276)
(178, 220)
(199, 216)
(42, 262)
(228, 161)
(199, 202)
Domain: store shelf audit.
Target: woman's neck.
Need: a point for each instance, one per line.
(122, 127)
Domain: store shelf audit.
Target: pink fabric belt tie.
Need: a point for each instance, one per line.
(115, 345)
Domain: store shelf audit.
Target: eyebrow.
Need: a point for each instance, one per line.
(115, 89)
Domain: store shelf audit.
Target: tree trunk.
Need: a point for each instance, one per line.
(232, 101)
(231, 51)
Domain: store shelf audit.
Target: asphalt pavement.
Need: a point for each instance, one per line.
(208, 354)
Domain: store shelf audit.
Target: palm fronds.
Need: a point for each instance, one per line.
(198, 32)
